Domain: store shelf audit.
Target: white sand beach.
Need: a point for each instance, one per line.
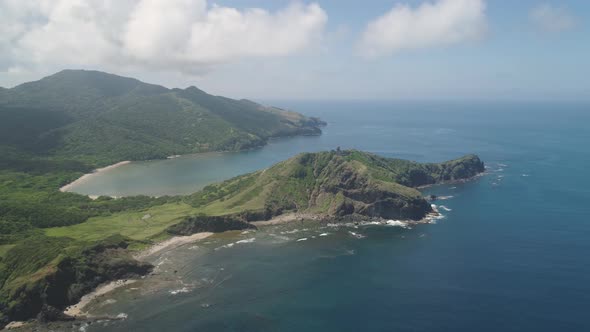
(171, 243)
(76, 310)
(84, 177)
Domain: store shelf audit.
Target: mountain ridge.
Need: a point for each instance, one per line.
(103, 118)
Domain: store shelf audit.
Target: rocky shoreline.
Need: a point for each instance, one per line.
(328, 187)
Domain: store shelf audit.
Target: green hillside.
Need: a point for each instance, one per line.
(102, 118)
(58, 264)
(334, 184)
(62, 126)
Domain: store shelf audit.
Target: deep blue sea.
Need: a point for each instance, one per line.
(511, 254)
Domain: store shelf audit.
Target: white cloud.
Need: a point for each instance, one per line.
(174, 35)
(552, 19)
(431, 24)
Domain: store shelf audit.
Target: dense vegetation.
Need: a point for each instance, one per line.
(55, 246)
(56, 129)
(101, 118)
(336, 183)
(331, 184)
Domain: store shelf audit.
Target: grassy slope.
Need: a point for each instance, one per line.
(55, 129)
(290, 185)
(314, 183)
(129, 223)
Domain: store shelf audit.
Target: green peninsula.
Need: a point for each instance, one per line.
(57, 246)
(337, 185)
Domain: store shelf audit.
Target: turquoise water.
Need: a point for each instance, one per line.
(511, 254)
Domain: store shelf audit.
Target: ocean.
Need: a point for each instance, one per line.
(511, 253)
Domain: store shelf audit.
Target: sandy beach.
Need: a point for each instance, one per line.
(84, 177)
(76, 309)
(171, 243)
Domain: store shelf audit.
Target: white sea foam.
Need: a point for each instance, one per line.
(433, 217)
(502, 165)
(280, 237)
(356, 225)
(302, 239)
(445, 208)
(250, 240)
(396, 223)
(122, 316)
(442, 198)
(525, 175)
(229, 245)
(357, 235)
(291, 231)
(324, 234)
(180, 291)
(434, 207)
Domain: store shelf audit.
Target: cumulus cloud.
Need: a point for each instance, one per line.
(552, 19)
(177, 35)
(431, 24)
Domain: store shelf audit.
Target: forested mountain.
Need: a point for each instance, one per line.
(102, 118)
(62, 126)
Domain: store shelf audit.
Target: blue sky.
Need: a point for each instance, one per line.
(520, 55)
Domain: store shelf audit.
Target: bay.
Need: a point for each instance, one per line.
(511, 253)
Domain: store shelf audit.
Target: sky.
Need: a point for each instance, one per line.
(310, 50)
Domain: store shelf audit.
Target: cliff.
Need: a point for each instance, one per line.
(42, 274)
(59, 274)
(336, 184)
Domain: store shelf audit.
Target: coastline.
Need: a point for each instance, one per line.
(459, 181)
(77, 310)
(81, 179)
(170, 243)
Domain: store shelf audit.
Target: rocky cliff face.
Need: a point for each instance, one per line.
(65, 280)
(336, 183)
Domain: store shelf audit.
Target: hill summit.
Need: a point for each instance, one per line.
(103, 118)
(335, 184)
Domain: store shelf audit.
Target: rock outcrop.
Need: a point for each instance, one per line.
(68, 277)
(336, 183)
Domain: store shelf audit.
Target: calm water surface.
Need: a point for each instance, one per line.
(511, 254)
